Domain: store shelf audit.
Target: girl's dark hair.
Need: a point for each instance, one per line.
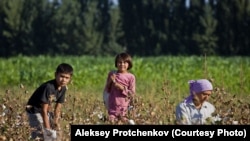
(64, 68)
(126, 57)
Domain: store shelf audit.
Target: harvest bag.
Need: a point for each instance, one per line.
(106, 98)
(106, 95)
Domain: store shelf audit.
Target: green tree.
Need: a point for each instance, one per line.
(233, 27)
(179, 27)
(67, 35)
(3, 49)
(19, 16)
(110, 27)
(205, 37)
(145, 25)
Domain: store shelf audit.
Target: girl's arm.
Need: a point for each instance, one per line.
(109, 82)
(129, 90)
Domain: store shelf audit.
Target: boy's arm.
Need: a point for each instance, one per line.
(47, 128)
(45, 108)
(57, 112)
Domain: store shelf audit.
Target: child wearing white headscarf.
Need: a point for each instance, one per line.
(195, 109)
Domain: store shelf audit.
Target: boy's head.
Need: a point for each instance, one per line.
(64, 68)
(63, 74)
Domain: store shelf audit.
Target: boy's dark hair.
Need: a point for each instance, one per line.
(126, 57)
(64, 68)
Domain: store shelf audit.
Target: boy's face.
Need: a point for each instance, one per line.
(62, 79)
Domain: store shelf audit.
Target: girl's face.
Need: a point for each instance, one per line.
(62, 79)
(122, 66)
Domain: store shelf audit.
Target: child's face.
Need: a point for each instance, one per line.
(122, 65)
(62, 79)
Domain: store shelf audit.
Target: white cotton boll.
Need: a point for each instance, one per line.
(131, 122)
(130, 108)
(3, 106)
(5, 110)
(100, 115)
(235, 122)
(216, 118)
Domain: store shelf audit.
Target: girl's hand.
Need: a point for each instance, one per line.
(113, 76)
(111, 81)
(119, 86)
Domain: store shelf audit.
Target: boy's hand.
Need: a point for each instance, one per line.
(50, 133)
(57, 125)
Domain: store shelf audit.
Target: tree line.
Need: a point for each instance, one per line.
(140, 27)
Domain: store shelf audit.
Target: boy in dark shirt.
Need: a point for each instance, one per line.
(43, 119)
